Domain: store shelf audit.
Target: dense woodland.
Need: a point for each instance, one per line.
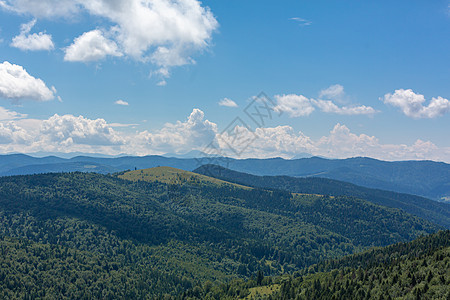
(431, 210)
(416, 270)
(85, 235)
(425, 178)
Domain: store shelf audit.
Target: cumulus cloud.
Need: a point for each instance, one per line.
(35, 41)
(329, 107)
(412, 104)
(280, 141)
(17, 84)
(12, 134)
(283, 141)
(166, 33)
(194, 133)
(227, 102)
(342, 143)
(91, 46)
(300, 106)
(70, 133)
(65, 133)
(294, 105)
(121, 102)
(68, 130)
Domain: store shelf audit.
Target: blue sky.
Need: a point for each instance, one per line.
(349, 78)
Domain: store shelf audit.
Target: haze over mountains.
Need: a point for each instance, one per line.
(424, 178)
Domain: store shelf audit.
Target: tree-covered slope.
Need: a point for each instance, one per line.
(425, 178)
(93, 225)
(415, 270)
(433, 211)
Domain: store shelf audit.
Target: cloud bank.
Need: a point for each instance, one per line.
(68, 133)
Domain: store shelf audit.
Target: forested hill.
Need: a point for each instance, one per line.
(425, 178)
(419, 269)
(416, 270)
(433, 211)
(86, 235)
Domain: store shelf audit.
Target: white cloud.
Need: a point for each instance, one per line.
(299, 105)
(283, 141)
(227, 102)
(35, 41)
(329, 107)
(17, 84)
(121, 125)
(121, 102)
(91, 46)
(12, 134)
(194, 133)
(69, 133)
(42, 8)
(301, 21)
(342, 143)
(332, 92)
(65, 133)
(68, 130)
(6, 114)
(294, 105)
(411, 104)
(166, 33)
(280, 141)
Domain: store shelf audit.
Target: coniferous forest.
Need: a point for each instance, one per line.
(155, 234)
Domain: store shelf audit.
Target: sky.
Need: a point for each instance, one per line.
(236, 78)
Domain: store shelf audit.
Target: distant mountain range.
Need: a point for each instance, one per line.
(424, 178)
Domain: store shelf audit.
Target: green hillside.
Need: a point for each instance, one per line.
(433, 211)
(175, 176)
(72, 235)
(416, 270)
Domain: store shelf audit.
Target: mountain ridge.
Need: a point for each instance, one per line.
(420, 206)
(423, 178)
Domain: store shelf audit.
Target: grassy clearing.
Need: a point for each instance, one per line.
(263, 291)
(175, 176)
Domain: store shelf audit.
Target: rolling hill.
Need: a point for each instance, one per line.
(433, 211)
(415, 270)
(66, 235)
(424, 178)
(175, 176)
